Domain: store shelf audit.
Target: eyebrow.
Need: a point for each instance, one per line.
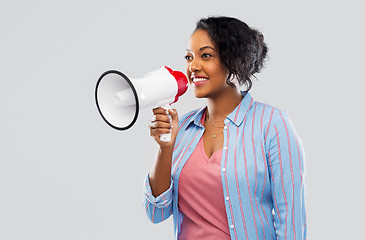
(207, 47)
(202, 48)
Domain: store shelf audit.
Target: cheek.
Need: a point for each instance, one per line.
(188, 73)
(187, 67)
(220, 74)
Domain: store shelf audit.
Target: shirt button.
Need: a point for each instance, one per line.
(225, 127)
(223, 169)
(227, 198)
(224, 148)
(231, 226)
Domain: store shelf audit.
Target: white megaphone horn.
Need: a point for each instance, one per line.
(119, 98)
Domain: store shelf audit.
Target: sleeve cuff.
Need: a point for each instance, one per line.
(163, 200)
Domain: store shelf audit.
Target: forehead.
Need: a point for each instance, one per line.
(199, 39)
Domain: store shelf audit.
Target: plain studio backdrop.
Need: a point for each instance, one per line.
(65, 174)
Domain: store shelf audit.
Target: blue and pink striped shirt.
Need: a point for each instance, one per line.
(262, 173)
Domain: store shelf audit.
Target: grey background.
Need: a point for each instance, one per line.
(64, 174)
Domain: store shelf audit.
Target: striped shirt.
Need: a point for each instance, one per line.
(262, 173)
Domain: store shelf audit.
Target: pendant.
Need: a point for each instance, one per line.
(214, 136)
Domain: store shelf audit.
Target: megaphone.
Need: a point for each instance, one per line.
(119, 99)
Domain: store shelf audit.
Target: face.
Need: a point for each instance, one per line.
(204, 69)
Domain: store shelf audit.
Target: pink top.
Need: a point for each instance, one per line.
(201, 197)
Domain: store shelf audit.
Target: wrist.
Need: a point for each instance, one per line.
(167, 148)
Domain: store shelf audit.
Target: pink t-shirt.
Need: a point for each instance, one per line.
(201, 198)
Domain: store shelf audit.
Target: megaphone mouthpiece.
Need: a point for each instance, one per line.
(182, 82)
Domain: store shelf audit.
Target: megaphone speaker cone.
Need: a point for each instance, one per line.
(117, 100)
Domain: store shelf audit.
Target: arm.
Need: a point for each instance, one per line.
(286, 165)
(157, 208)
(158, 187)
(160, 175)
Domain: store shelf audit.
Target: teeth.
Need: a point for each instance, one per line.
(200, 79)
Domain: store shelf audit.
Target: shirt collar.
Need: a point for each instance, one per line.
(196, 118)
(242, 108)
(235, 117)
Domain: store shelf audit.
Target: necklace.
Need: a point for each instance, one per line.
(214, 135)
(210, 122)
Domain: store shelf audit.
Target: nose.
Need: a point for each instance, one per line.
(194, 65)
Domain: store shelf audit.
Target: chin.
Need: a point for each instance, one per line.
(200, 94)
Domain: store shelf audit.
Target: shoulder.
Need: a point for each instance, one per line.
(268, 114)
(276, 122)
(272, 119)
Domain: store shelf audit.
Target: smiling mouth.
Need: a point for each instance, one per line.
(199, 79)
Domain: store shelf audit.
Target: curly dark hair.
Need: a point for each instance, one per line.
(241, 49)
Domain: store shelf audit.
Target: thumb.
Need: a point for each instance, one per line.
(173, 114)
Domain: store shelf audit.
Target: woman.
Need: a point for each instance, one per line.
(235, 168)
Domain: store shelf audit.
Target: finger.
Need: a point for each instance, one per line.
(159, 131)
(161, 118)
(160, 110)
(160, 124)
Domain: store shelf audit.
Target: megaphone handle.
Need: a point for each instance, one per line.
(167, 136)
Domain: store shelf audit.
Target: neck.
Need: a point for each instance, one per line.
(223, 104)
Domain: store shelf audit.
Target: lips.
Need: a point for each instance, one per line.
(199, 80)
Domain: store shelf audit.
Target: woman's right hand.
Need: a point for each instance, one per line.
(161, 123)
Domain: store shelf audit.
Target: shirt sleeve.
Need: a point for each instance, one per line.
(157, 208)
(286, 166)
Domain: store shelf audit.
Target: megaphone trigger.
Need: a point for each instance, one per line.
(167, 136)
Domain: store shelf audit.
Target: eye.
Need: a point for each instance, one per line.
(206, 55)
(188, 57)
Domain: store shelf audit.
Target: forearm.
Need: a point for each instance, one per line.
(160, 175)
